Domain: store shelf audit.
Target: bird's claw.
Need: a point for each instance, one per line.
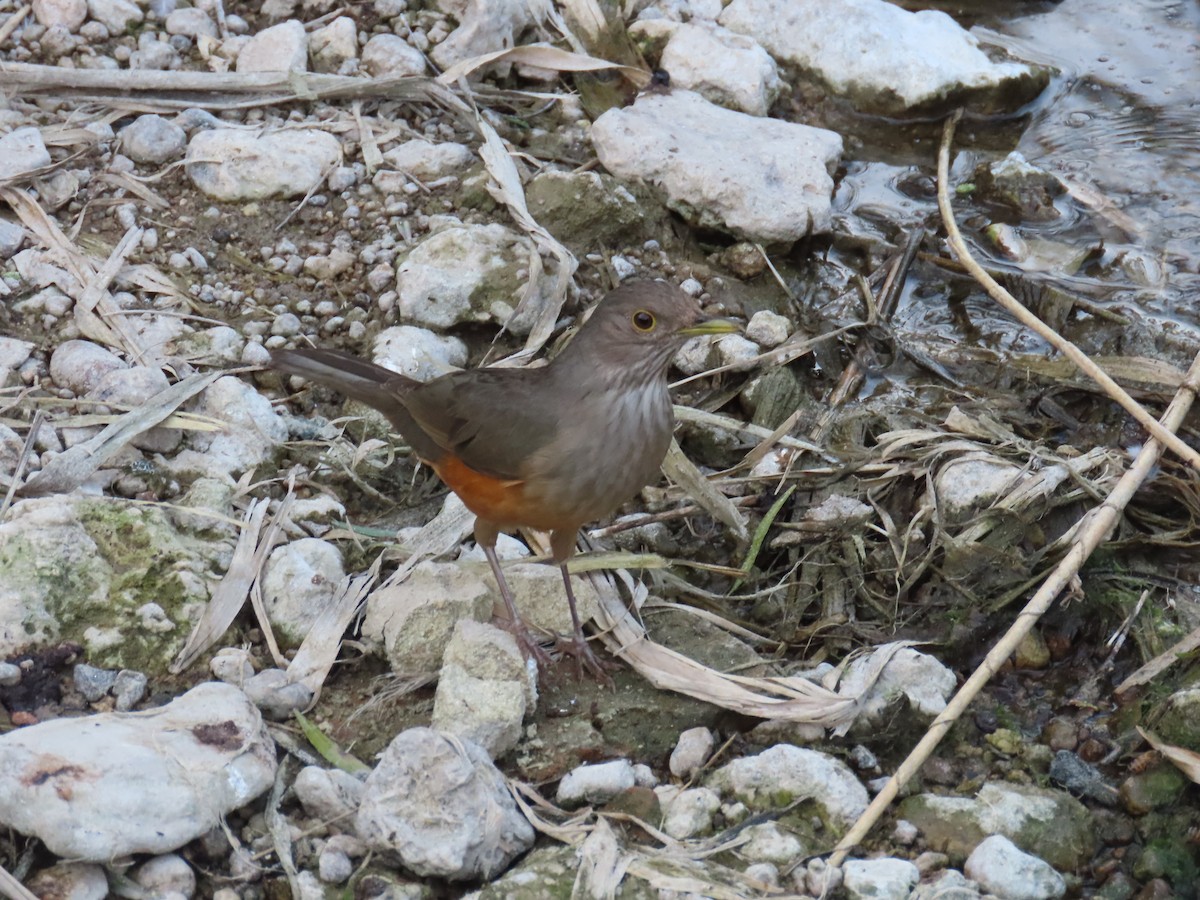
(586, 658)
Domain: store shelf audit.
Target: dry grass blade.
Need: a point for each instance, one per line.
(1186, 761)
(1099, 525)
(318, 652)
(683, 472)
(13, 889)
(1148, 672)
(544, 57)
(543, 302)
(73, 467)
(230, 595)
(1029, 320)
(785, 699)
(758, 432)
(159, 90)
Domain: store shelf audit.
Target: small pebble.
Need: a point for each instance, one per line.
(129, 687)
(10, 674)
(92, 682)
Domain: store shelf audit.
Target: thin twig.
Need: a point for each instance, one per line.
(1099, 524)
(11, 23)
(1029, 320)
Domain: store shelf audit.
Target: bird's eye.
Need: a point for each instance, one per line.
(643, 321)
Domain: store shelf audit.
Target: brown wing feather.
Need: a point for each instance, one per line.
(491, 419)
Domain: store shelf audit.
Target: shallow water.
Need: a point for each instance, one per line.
(1119, 125)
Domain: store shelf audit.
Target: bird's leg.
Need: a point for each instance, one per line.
(577, 645)
(485, 536)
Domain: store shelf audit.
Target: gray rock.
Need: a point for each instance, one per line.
(232, 665)
(334, 44)
(68, 14)
(10, 674)
(691, 752)
(334, 866)
(597, 783)
(22, 150)
(329, 795)
(12, 236)
(771, 843)
(81, 365)
(300, 581)
(191, 22)
(414, 620)
(882, 58)
(768, 329)
(690, 812)
(418, 352)
(272, 692)
(727, 68)
(442, 806)
(129, 688)
(164, 875)
(73, 880)
(255, 427)
(153, 54)
(115, 15)
(280, 48)
(949, 884)
(796, 772)
(92, 682)
(388, 54)
(487, 25)
(152, 139)
(885, 879)
(239, 165)
(442, 277)
(14, 352)
(427, 161)
(919, 678)
(146, 782)
(129, 387)
(1001, 868)
(756, 178)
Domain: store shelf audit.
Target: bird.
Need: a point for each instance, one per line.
(549, 448)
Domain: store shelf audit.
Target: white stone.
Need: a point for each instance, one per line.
(733, 349)
(881, 57)
(727, 68)
(970, 484)
(71, 881)
(883, 879)
(441, 276)
(280, 48)
(328, 795)
(22, 150)
(129, 387)
(418, 352)
(691, 752)
(427, 161)
(69, 14)
(165, 874)
(698, 354)
(1003, 869)
(146, 782)
(81, 365)
(770, 843)
(115, 15)
(277, 695)
(152, 139)
(14, 352)
(691, 813)
(922, 680)
(596, 783)
(795, 772)
(388, 54)
(414, 620)
(768, 329)
(483, 688)
(232, 665)
(300, 582)
(240, 165)
(190, 21)
(12, 236)
(334, 44)
(487, 25)
(254, 426)
(442, 806)
(759, 179)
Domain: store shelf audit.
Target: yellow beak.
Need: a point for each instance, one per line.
(711, 326)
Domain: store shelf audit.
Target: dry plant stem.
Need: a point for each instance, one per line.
(1161, 663)
(1029, 320)
(11, 23)
(1097, 526)
(13, 889)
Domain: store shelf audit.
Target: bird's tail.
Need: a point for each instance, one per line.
(356, 378)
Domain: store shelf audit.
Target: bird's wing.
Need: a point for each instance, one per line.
(489, 418)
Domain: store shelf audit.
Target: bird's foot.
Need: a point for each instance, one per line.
(528, 643)
(586, 658)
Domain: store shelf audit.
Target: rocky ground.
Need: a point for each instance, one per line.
(879, 457)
